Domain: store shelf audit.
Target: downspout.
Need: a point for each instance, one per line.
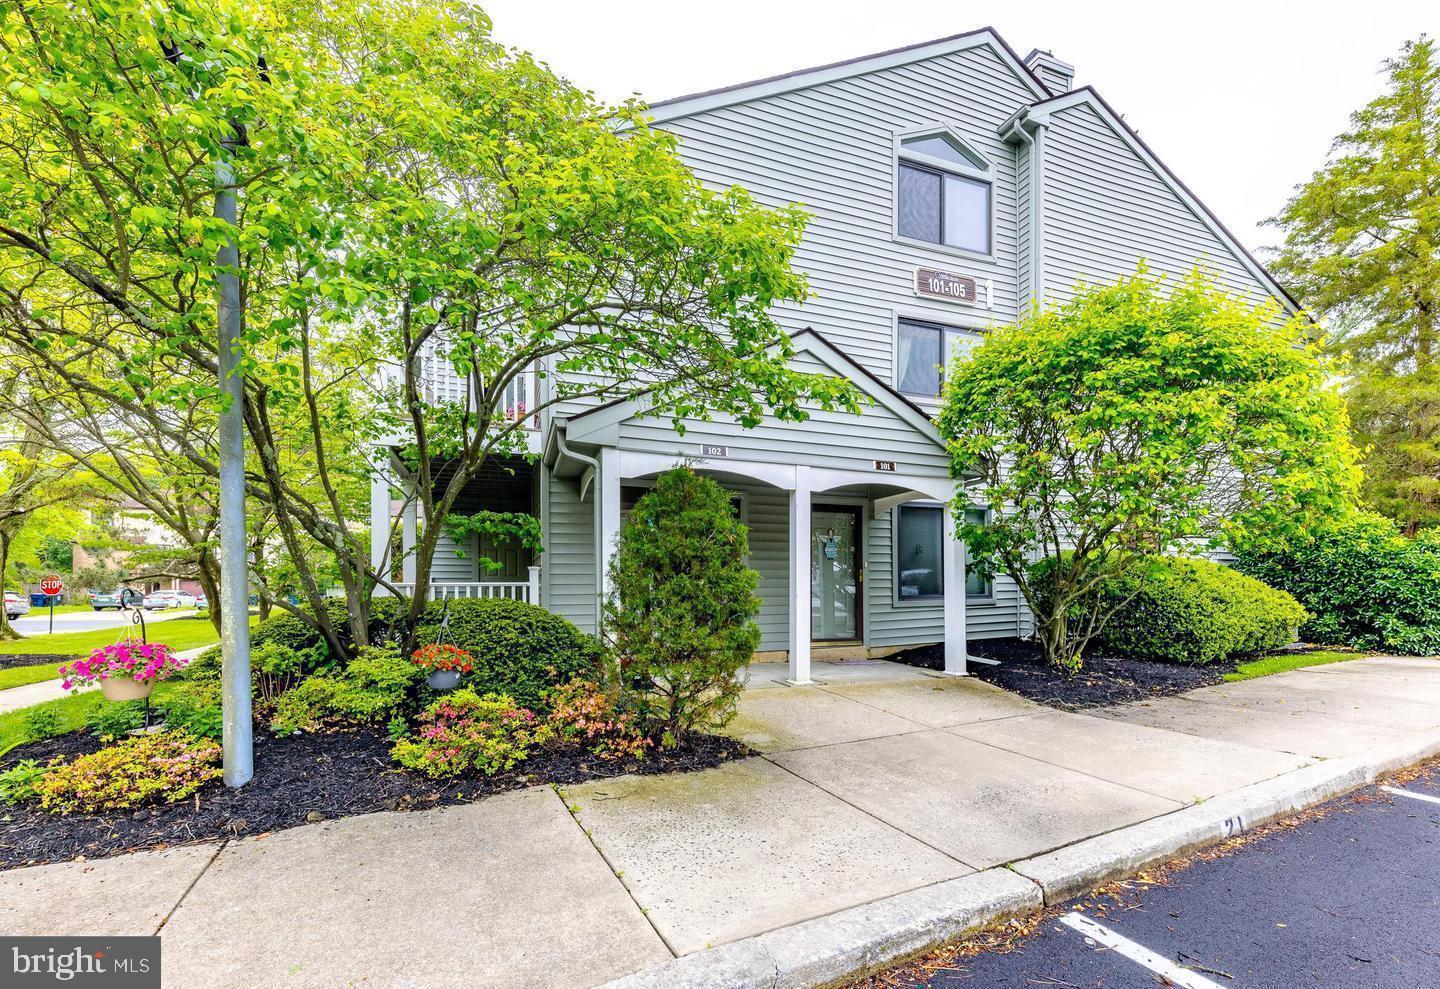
(1037, 214)
(1021, 134)
(1031, 132)
(597, 527)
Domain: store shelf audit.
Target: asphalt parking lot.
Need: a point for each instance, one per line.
(1349, 897)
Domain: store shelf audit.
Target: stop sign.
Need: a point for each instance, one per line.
(52, 584)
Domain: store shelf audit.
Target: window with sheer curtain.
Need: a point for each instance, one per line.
(922, 350)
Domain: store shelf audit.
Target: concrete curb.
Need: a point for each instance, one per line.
(821, 951)
(1080, 867)
(845, 945)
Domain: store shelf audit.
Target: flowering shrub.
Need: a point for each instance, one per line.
(146, 662)
(465, 731)
(162, 766)
(370, 690)
(434, 658)
(582, 714)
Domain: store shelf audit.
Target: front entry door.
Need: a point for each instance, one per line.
(835, 576)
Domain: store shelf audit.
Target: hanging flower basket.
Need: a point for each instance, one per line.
(443, 664)
(125, 671)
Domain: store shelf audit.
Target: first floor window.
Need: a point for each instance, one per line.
(977, 585)
(920, 553)
(919, 538)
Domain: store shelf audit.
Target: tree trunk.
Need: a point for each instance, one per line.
(6, 631)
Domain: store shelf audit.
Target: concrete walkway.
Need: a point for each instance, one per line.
(879, 780)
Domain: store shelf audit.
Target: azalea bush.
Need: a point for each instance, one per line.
(1195, 611)
(161, 767)
(371, 690)
(465, 731)
(518, 649)
(442, 658)
(146, 662)
(583, 715)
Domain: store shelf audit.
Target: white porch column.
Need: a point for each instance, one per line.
(955, 657)
(409, 536)
(800, 578)
(380, 526)
(607, 523)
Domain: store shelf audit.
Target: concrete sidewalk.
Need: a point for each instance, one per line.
(882, 784)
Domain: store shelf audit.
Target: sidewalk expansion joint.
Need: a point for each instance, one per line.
(556, 789)
(198, 876)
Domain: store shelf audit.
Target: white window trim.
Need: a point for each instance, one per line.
(947, 320)
(987, 175)
(929, 600)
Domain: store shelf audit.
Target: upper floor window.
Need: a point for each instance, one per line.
(944, 193)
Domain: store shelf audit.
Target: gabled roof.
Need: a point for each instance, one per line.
(1089, 96)
(789, 82)
(594, 424)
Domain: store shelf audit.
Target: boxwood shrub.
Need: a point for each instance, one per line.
(520, 650)
(1365, 585)
(1195, 611)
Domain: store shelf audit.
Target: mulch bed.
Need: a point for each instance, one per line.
(299, 779)
(1104, 680)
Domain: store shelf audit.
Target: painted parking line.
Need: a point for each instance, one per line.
(1139, 954)
(1411, 794)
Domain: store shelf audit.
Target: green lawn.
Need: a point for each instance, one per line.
(36, 611)
(178, 633)
(1266, 665)
(19, 676)
(70, 712)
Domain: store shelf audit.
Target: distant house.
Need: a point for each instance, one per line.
(148, 553)
(952, 184)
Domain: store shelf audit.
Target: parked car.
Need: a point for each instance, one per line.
(16, 605)
(160, 600)
(105, 600)
(201, 601)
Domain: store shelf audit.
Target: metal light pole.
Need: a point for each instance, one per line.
(234, 560)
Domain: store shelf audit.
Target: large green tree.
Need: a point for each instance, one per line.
(1139, 418)
(1362, 248)
(408, 189)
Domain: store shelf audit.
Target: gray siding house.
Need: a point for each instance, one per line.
(952, 185)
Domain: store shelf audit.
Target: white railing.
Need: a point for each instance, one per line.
(440, 383)
(440, 590)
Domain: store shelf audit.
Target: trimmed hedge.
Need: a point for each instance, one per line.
(520, 650)
(1365, 584)
(1195, 611)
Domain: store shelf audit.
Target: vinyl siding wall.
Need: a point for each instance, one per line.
(1106, 209)
(830, 148)
(569, 587)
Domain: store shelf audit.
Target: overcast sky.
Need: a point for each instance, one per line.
(1240, 99)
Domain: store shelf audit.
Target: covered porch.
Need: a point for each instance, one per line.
(818, 542)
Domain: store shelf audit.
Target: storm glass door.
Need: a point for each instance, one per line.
(834, 573)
